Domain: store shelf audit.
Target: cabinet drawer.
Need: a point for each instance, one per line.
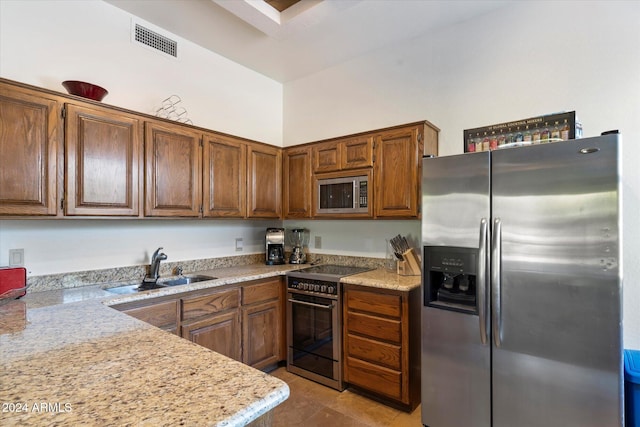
(377, 352)
(207, 304)
(380, 304)
(384, 381)
(388, 330)
(262, 292)
(163, 315)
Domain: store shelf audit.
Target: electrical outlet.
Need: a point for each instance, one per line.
(239, 244)
(318, 243)
(16, 257)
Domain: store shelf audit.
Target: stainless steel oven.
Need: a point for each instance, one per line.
(314, 323)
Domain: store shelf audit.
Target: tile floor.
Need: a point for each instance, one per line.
(314, 405)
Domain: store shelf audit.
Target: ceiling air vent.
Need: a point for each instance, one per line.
(154, 40)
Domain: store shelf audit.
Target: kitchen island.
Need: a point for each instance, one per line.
(84, 363)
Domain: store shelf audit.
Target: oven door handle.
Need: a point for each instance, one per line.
(295, 301)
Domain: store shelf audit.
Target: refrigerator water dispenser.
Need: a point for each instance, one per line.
(450, 278)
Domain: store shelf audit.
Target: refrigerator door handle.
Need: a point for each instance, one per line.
(496, 273)
(482, 281)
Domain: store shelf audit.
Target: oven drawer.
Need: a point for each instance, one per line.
(377, 352)
(384, 381)
(388, 330)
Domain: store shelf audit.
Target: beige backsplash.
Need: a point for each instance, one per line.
(134, 274)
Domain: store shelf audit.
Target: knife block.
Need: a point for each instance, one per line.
(409, 266)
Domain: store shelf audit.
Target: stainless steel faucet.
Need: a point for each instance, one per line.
(154, 269)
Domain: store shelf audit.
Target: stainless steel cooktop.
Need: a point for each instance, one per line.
(329, 272)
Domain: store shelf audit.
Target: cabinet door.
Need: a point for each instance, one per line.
(220, 333)
(224, 177)
(327, 157)
(260, 334)
(357, 152)
(164, 315)
(173, 185)
(297, 183)
(397, 173)
(30, 129)
(102, 162)
(264, 181)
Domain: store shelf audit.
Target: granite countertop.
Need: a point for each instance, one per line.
(67, 358)
(84, 363)
(381, 278)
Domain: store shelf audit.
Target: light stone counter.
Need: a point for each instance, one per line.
(381, 278)
(66, 358)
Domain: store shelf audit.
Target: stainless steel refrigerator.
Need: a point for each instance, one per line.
(521, 316)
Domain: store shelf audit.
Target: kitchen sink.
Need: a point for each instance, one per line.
(185, 280)
(164, 283)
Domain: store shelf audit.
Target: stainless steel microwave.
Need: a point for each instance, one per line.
(343, 195)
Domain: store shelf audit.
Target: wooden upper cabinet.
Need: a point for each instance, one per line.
(224, 177)
(297, 182)
(173, 184)
(398, 172)
(264, 176)
(351, 153)
(102, 162)
(30, 134)
(357, 153)
(326, 157)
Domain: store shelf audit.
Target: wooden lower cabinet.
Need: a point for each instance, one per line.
(213, 321)
(382, 343)
(262, 319)
(244, 322)
(260, 325)
(217, 332)
(162, 314)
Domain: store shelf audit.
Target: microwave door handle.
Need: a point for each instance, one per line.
(354, 193)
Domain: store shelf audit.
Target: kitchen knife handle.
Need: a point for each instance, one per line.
(496, 286)
(482, 281)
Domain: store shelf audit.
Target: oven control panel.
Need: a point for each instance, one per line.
(313, 286)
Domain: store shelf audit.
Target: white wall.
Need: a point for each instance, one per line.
(528, 59)
(357, 237)
(60, 246)
(46, 42)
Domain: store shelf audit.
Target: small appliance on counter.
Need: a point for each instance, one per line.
(274, 246)
(13, 282)
(299, 238)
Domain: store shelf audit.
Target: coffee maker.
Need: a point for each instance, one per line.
(274, 246)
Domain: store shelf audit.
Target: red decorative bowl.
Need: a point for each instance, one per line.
(85, 90)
